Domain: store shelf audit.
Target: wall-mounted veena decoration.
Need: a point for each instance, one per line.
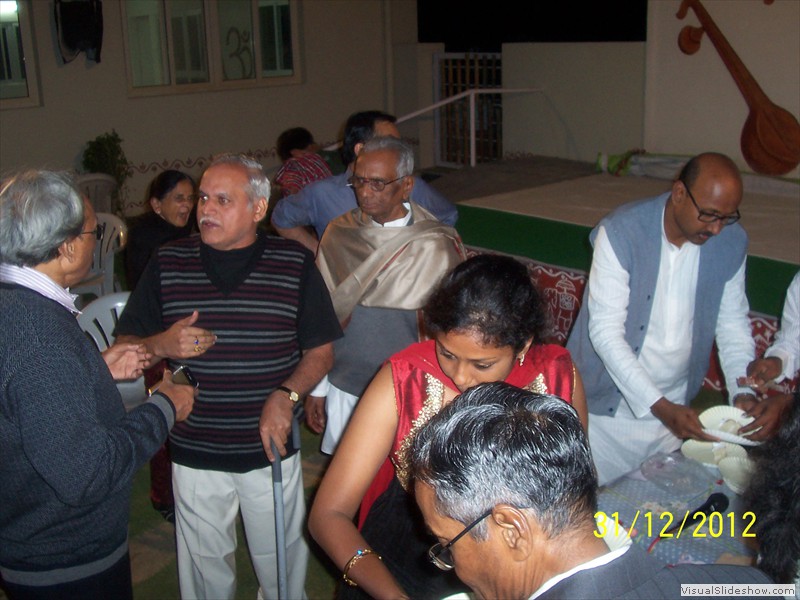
(771, 135)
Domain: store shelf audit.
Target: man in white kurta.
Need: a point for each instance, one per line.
(781, 361)
(656, 299)
(785, 349)
(662, 367)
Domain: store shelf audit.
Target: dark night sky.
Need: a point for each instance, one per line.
(484, 26)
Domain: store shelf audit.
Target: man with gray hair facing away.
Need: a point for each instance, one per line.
(380, 261)
(505, 481)
(69, 450)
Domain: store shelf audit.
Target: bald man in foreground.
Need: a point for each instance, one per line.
(667, 280)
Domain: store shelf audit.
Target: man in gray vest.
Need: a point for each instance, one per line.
(667, 278)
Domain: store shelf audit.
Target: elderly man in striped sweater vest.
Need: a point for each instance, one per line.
(251, 317)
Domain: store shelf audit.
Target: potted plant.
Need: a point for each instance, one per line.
(104, 154)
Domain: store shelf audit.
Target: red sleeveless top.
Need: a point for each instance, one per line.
(419, 385)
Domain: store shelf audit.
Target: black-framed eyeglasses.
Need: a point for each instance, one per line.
(709, 217)
(441, 556)
(97, 231)
(377, 185)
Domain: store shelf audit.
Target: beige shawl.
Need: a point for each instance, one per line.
(387, 267)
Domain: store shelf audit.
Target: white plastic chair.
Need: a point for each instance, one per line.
(98, 319)
(100, 189)
(100, 280)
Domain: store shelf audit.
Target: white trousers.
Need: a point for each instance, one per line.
(339, 407)
(206, 505)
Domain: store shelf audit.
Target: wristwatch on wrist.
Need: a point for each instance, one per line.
(293, 396)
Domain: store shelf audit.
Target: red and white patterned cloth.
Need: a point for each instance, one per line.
(297, 173)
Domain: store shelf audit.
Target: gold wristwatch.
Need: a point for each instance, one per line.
(293, 396)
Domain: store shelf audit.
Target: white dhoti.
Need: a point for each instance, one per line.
(621, 443)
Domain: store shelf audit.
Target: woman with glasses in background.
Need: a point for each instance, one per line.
(486, 321)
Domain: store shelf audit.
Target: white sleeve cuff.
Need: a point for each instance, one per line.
(786, 362)
(321, 389)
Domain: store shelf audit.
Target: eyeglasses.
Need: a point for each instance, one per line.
(441, 556)
(97, 231)
(377, 185)
(709, 217)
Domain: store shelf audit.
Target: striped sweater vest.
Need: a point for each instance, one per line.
(257, 348)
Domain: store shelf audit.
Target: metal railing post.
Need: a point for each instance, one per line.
(472, 158)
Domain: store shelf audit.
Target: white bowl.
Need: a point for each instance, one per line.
(723, 422)
(710, 453)
(737, 471)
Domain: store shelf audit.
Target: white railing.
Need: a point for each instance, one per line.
(469, 93)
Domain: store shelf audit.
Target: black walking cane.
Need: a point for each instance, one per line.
(277, 497)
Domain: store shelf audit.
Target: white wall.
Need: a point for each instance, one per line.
(414, 91)
(692, 103)
(343, 54)
(614, 97)
(592, 100)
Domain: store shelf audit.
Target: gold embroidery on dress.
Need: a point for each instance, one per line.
(537, 386)
(434, 394)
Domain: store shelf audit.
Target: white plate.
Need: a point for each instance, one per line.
(710, 453)
(736, 472)
(724, 421)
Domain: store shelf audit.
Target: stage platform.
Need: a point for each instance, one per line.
(771, 221)
(551, 224)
